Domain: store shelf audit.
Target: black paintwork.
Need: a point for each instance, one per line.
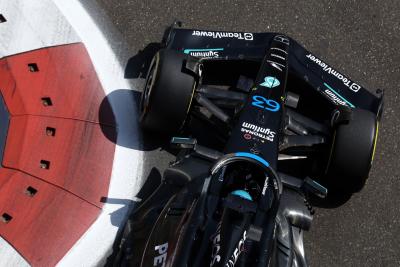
(181, 213)
(299, 63)
(255, 115)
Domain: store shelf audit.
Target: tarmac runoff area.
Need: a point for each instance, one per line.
(361, 40)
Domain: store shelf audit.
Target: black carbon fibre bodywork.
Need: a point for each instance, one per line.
(255, 81)
(301, 62)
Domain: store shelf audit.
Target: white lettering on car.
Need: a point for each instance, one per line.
(239, 248)
(206, 54)
(280, 54)
(325, 67)
(219, 35)
(257, 131)
(215, 257)
(162, 255)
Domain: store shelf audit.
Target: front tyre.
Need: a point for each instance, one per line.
(167, 94)
(352, 152)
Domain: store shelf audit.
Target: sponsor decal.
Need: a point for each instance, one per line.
(236, 253)
(278, 55)
(162, 255)
(270, 82)
(204, 53)
(275, 184)
(265, 185)
(222, 174)
(215, 257)
(282, 39)
(255, 149)
(257, 133)
(263, 103)
(276, 65)
(325, 67)
(335, 97)
(219, 35)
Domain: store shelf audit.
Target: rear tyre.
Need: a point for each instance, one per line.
(352, 152)
(168, 93)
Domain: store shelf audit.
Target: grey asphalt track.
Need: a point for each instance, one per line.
(359, 38)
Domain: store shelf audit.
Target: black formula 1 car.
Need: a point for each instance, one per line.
(261, 128)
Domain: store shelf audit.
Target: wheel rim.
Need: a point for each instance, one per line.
(146, 95)
(375, 140)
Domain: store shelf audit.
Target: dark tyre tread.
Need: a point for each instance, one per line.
(168, 93)
(352, 151)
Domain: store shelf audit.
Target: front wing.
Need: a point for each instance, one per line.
(322, 77)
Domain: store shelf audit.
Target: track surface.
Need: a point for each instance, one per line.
(359, 38)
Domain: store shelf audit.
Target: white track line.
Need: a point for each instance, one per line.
(94, 247)
(32, 24)
(9, 256)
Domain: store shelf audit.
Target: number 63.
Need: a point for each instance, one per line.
(268, 104)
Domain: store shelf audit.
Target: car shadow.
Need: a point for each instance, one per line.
(128, 132)
(332, 201)
(151, 183)
(120, 108)
(118, 217)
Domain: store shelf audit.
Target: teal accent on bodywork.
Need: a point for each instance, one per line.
(252, 156)
(187, 51)
(180, 138)
(270, 82)
(242, 194)
(338, 95)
